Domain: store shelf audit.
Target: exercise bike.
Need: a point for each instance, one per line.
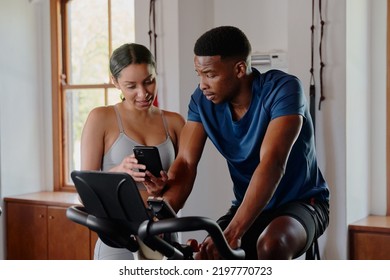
(113, 208)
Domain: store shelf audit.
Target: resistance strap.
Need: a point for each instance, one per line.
(322, 64)
(152, 28)
(312, 80)
(153, 35)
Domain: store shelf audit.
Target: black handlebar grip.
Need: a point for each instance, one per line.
(149, 228)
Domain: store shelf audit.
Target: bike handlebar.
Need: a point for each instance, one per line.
(104, 228)
(191, 223)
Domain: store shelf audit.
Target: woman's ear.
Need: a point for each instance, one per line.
(115, 82)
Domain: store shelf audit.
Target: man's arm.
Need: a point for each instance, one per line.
(275, 149)
(182, 173)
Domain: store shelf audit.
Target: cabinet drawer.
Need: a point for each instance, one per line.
(369, 238)
(370, 246)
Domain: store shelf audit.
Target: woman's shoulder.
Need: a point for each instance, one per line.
(101, 114)
(173, 116)
(102, 111)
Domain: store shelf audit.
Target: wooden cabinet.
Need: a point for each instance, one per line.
(37, 228)
(66, 239)
(26, 231)
(369, 239)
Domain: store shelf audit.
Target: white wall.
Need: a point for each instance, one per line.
(377, 94)
(350, 139)
(366, 108)
(331, 123)
(264, 22)
(358, 85)
(25, 107)
(21, 99)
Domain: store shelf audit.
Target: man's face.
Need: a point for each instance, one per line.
(217, 78)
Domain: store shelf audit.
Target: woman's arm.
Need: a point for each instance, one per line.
(92, 140)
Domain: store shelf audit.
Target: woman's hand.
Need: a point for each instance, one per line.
(154, 185)
(130, 166)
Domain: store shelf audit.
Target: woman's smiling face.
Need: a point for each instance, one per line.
(138, 85)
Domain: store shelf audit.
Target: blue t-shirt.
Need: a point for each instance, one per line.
(275, 94)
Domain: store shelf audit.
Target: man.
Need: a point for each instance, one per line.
(261, 125)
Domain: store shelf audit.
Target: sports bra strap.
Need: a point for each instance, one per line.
(118, 117)
(165, 123)
(121, 130)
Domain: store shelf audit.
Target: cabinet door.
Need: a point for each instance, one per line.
(26, 231)
(67, 240)
(369, 246)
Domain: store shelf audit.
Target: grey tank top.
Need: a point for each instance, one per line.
(123, 146)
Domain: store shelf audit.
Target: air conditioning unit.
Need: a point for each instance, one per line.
(267, 61)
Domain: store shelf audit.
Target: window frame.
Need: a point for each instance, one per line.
(60, 55)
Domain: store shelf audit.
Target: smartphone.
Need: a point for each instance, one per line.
(150, 157)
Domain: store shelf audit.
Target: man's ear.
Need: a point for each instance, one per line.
(115, 82)
(241, 68)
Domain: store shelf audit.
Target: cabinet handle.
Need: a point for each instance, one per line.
(51, 217)
(41, 216)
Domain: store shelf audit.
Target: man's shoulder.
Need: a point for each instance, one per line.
(279, 80)
(275, 74)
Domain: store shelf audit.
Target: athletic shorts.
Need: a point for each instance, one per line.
(313, 215)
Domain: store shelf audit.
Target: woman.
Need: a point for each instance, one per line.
(111, 132)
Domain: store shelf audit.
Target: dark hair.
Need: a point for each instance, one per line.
(226, 41)
(129, 54)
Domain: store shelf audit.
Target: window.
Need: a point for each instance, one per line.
(84, 33)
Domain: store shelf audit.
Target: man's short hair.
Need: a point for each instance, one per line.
(226, 41)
